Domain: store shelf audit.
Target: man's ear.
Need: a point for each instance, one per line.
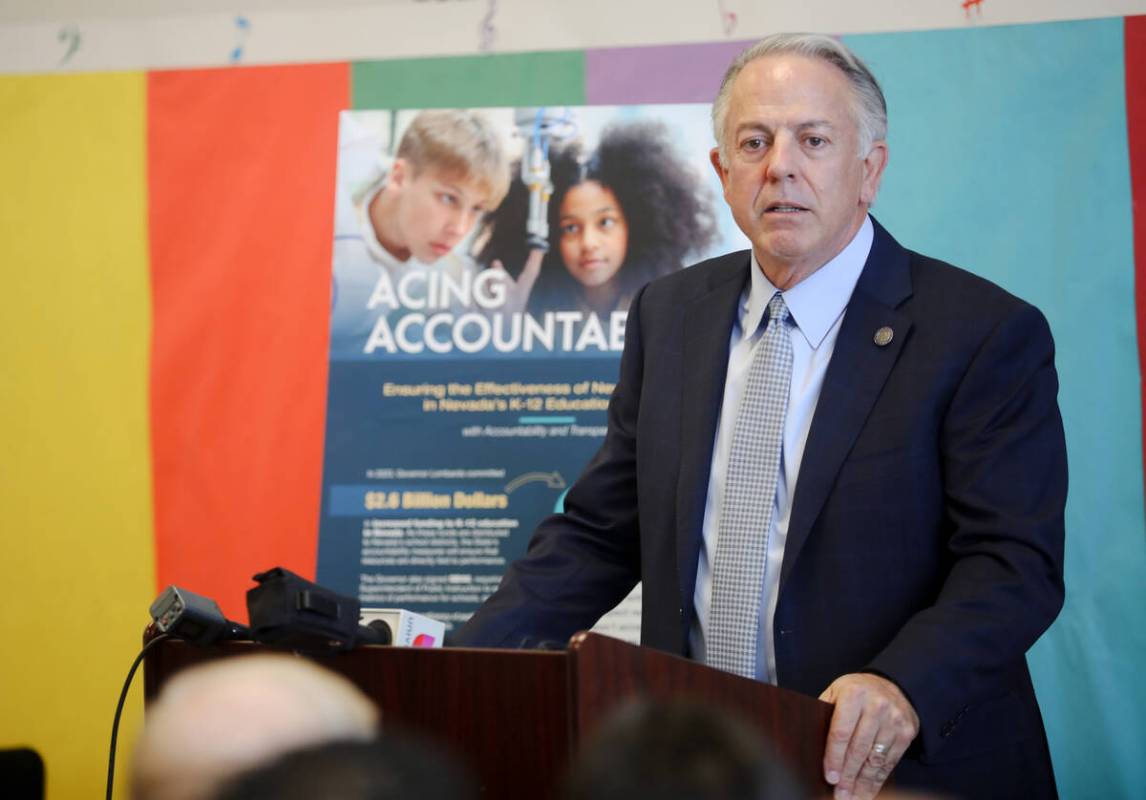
(721, 172)
(873, 165)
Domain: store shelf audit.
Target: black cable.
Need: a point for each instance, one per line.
(119, 709)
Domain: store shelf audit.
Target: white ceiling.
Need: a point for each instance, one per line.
(16, 11)
(39, 36)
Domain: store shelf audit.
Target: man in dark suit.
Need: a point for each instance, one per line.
(909, 530)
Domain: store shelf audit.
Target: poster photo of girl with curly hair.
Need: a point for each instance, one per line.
(629, 202)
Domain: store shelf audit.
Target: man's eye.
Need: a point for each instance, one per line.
(448, 199)
(753, 144)
(816, 141)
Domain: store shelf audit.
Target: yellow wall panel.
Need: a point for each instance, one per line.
(76, 570)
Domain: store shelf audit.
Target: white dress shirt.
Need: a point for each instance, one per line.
(817, 306)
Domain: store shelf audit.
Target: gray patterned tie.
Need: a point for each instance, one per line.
(749, 497)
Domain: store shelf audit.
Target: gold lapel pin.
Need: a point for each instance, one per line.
(884, 336)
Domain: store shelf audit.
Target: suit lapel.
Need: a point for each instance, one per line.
(707, 324)
(856, 374)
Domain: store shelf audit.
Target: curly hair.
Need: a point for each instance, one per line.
(666, 206)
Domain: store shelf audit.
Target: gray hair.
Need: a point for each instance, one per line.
(870, 107)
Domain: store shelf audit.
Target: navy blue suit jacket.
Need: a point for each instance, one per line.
(926, 534)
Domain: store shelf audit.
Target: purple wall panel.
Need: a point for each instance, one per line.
(687, 73)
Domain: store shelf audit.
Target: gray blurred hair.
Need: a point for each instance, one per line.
(869, 105)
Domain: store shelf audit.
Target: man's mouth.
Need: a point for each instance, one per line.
(783, 208)
(439, 249)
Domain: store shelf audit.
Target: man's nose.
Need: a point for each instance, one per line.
(780, 162)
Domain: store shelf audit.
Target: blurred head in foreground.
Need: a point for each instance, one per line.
(678, 751)
(213, 721)
(391, 768)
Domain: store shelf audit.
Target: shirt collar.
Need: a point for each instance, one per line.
(816, 302)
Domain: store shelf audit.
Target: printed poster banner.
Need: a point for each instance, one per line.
(484, 261)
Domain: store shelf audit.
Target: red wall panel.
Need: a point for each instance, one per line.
(241, 179)
(1135, 50)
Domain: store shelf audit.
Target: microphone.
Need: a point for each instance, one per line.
(375, 632)
(287, 610)
(194, 618)
(407, 629)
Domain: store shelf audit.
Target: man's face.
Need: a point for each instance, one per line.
(794, 180)
(435, 210)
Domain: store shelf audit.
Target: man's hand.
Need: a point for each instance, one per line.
(517, 292)
(871, 728)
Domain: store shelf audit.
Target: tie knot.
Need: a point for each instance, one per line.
(777, 310)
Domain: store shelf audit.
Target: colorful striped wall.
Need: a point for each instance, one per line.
(165, 248)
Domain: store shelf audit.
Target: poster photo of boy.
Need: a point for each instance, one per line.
(409, 212)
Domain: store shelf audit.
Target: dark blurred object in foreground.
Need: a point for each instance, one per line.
(391, 768)
(679, 751)
(21, 774)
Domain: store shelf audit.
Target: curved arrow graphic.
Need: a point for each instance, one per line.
(551, 479)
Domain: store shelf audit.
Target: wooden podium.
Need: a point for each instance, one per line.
(517, 716)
